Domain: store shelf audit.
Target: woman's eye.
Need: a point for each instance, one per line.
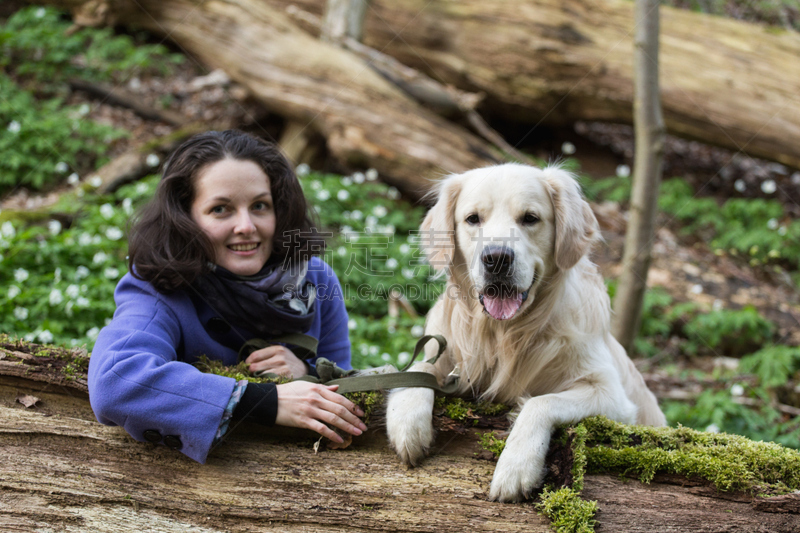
(473, 219)
(218, 210)
(530, 219)
(261, 206)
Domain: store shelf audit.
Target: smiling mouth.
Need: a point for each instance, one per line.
(243, 247)
(502, 302)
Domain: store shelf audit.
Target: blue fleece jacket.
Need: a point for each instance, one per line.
(140, 372)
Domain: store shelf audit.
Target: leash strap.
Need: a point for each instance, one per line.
(331, 374)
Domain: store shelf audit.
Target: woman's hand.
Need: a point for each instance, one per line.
(313, 406)
(277, 359)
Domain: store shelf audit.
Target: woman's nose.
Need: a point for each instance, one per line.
(244, 223)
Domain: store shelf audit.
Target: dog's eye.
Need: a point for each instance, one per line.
(473, 219)
(530, 219)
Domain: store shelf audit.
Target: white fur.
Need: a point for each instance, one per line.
(556, 357)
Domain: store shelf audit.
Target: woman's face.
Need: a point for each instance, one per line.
(233, 206)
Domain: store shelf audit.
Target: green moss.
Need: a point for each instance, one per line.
(462, 410)
(238, 372)
(367, 401)
(491, 442)
(729, 462)
(567, 511)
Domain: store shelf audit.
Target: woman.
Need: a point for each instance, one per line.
(224, 253)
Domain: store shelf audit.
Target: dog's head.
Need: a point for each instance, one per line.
(507, 228)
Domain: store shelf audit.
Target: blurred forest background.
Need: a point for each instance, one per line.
(87, 115)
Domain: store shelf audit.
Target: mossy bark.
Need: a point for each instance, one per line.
(61, 470)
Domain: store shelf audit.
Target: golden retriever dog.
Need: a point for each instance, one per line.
(526, 316)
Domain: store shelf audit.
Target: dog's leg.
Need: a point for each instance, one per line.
(521, 466)
(409, 423)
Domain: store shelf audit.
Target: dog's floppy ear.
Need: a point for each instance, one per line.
(437, 232)
(576, 225)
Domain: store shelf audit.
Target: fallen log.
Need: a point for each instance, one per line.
(61, 470)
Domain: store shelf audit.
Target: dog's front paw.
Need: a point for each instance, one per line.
(518, 472)
(409, 423)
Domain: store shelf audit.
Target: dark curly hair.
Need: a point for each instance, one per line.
(168, 249)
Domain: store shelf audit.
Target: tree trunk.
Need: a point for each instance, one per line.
(537, 61)
(61, 470)
(366, 120)
(723, 82)
(649, 127)
(344, 18)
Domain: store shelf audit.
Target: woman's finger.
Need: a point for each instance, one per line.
(341, 400)
(264, 354)
(338, 416)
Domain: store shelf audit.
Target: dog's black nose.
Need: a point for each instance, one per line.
(497, 259)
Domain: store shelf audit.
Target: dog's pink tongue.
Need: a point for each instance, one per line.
(502, 308)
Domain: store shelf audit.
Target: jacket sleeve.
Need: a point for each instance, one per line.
(334, 338)
(136, 380)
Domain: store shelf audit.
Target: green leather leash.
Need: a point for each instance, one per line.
(363, 381)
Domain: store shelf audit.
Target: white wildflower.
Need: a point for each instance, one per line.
(386, 357)
(316, 185)
(356, 215)
(127, 206)
(99, 257)
(323, 195)
(371, 174)
(768, 186)
(56, 297)
(13, 292)
(403, 358)
(352, 324)
(302, 169)
(82, 301)
(740, 185)
(404, 248)
(68, 307)
(79, 193)
(111, 273)
(45, 336)
(84, 109)
(712, 428)
(363, 348)
(72, 291)
(782, 231)
(717, 305)
(342, 195)
(21, 275)
(772, 223)
(358, 178)
(696, 289)
(347, 181)
(20, 313)
(737, 390)
(392, 193)
(417, 330)
(96, 239)
(371, 221)
(30, 337)
(568, 148)
(135, 84)
(373, 350)
(392, 263)
(84, 239)
(92, 333)
(380, 211)
(152, 160)
(114, 233)
(796, 178)
(623, 171)
(342, 251)
(95, 181)
(14, 126)
(7, 230)
(57, 275)
(107, 211)
(41, 12)
(54, 227)
(61, 167)
(408, 273)
(141, 188)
